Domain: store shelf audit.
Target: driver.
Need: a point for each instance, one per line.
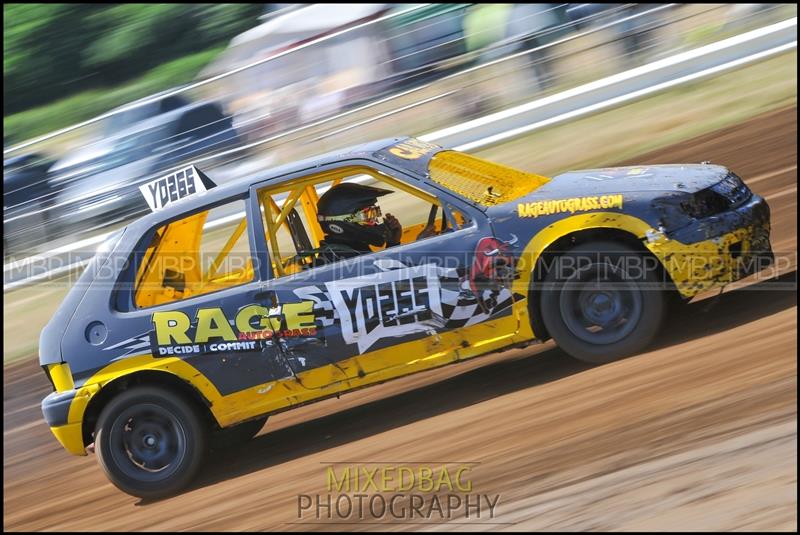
(349, 214)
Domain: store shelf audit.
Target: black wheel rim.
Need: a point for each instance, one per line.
(599, 305)
(147, 442)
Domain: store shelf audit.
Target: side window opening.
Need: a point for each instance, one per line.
(199, 254)
(295, 238)
(457, 219)
(292, 231)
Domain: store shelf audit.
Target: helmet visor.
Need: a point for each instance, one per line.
(366, 216)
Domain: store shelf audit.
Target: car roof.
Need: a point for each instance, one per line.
(241, 185)
(158, 119)
(155, 99)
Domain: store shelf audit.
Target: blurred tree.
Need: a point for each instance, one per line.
(54, 50)
(485, 24)
(218, 23)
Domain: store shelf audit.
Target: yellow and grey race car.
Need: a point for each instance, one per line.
(193, 324)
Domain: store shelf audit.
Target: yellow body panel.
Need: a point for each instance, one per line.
(704, 265)
(478, 180)
(70, 436)
(61, 376)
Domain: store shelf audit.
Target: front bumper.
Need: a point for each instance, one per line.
(714, 252)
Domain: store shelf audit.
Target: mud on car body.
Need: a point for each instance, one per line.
(196, 322)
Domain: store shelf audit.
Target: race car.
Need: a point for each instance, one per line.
(195, 323)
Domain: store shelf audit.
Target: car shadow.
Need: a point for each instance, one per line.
(728, 310)
(519, 372)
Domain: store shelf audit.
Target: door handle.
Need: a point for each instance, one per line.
(267, 295)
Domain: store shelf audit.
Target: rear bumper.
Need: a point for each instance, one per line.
(71, 437)
(55, 407)
(56, 412)
(736, 245)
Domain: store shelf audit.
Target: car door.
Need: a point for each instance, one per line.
(207, 334)
(368, 309)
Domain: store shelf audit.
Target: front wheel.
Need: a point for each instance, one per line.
(150, 442)
(602, 301)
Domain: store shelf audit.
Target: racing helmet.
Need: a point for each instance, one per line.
(349, 212)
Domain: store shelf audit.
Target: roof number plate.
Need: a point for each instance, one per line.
(164, 191)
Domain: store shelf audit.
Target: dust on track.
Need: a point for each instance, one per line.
(698, 433)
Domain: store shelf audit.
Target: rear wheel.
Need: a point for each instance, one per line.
(150, 441)
(602, 301)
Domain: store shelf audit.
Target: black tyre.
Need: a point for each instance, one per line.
(602, 301)
(150, 442)
(236, 435)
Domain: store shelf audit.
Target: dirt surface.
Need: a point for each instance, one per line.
(698, 433)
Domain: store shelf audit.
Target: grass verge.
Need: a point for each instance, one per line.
(85, 105)
(653, 122)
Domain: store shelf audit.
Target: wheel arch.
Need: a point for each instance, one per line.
(149, 377)
(566, 242)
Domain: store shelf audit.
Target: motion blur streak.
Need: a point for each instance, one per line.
(617, 100)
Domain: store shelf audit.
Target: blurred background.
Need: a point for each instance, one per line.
(100, 98)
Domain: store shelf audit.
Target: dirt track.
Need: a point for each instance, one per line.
(699, 433)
